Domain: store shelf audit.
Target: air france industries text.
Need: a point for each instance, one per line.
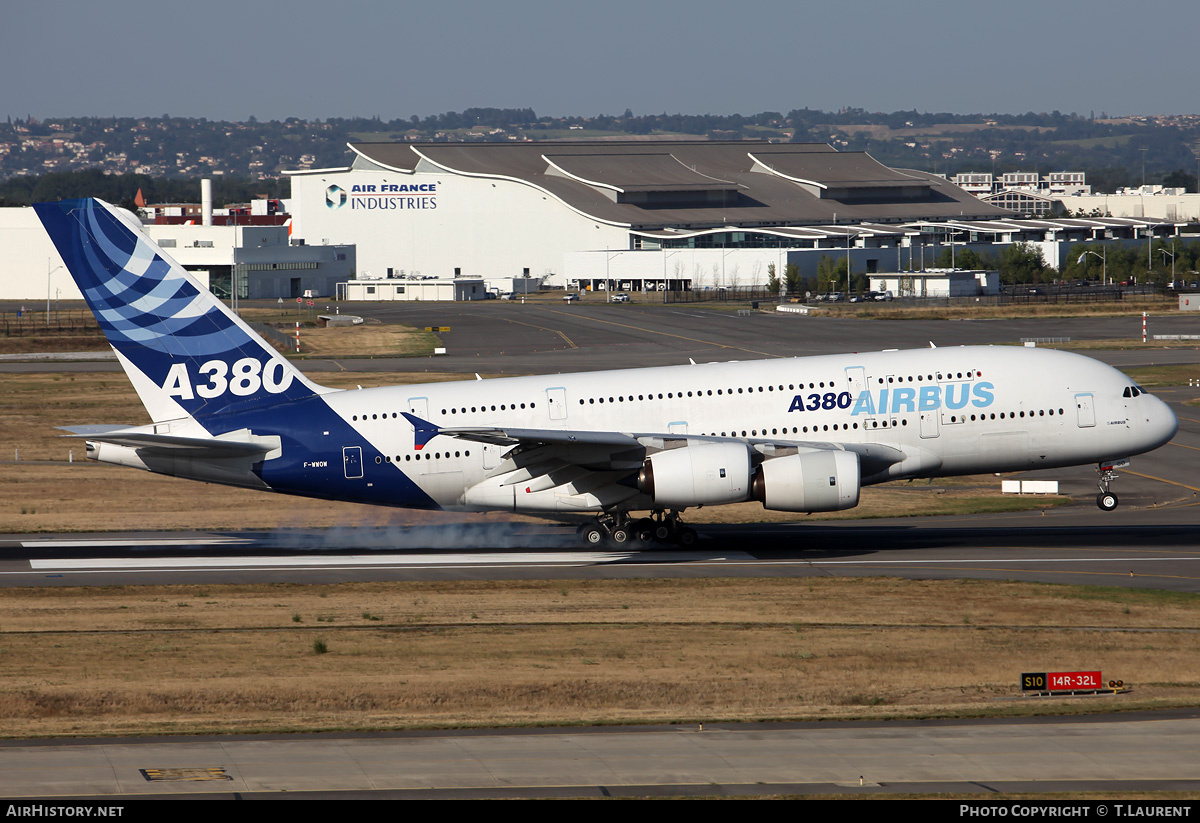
(394, 202)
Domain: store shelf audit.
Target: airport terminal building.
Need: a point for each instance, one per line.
(688, 213)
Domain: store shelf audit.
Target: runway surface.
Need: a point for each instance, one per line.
(1146, 752)
(505, 338)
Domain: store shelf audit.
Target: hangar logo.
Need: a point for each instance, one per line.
(335, 197)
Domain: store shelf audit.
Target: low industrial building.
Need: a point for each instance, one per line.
(937, 283)
(392, 289)
(260, 260)
(655, 215)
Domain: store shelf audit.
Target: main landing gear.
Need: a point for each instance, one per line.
(619, 529)
(1106, 499)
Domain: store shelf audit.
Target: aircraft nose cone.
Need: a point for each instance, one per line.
(1162, 423)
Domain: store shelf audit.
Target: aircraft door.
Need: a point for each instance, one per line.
(1085, 410)
(556, 401)
(491, 455)
(856, 380)
(419, 406)
(352, 461)
(929, 423)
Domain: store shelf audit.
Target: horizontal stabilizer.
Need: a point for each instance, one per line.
(170, 444)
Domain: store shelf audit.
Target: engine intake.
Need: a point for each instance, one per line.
(823, 481)
(705, 474)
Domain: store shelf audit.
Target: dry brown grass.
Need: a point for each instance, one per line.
(146, 660)
(371, 340)
(979, 311)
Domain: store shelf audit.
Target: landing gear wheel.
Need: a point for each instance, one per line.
(593, 535)
(643, 530)
(621, 535)
(1107, 501)
(687, 537)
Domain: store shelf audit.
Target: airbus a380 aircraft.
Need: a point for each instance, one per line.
(799, 435)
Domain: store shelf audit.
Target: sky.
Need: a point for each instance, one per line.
(313, 59)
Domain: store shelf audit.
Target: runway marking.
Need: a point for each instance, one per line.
(663, 333)
(482, 560)
(165, 541)
(1162, 480)
(1180, 445)
(570, 342)
(323, 561)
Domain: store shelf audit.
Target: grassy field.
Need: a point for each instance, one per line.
(189, 659)
(984, 311)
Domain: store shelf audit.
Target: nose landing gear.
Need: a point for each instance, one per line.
(1106, 499)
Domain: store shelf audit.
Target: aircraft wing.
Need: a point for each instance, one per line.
(203, 447)
(626, 449)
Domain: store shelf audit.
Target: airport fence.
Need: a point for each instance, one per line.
(23, 323)
(733, 294)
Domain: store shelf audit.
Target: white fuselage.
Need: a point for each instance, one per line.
(951, 410)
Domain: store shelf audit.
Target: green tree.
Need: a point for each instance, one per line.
(773, 282)
(791, 276)
(831, 275)
(1023, 263)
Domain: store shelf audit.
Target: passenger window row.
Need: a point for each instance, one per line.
(408, 458)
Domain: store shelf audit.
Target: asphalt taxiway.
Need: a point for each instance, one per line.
(1143, 752)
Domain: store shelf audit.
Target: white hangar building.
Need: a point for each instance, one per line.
(637, 213)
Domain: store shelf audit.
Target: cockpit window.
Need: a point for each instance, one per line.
(1134, 391)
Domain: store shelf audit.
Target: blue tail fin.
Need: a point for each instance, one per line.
(184, 351)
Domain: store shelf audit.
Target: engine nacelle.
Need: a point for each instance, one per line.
(823, 481)
(705, 474)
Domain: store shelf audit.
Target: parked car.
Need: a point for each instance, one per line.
(621, 297)
(570, 297)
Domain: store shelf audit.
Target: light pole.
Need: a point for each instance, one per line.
(666, 282)
(1103, 262)
(847, 264)
(1164, 251)
(608, 256)
(49, 271)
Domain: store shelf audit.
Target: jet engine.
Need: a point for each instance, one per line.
(704, 474)
(822, 481)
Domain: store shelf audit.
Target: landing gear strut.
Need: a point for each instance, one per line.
(620, 529)
(1106, 499)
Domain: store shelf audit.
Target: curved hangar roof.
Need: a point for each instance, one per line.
(697, 184)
